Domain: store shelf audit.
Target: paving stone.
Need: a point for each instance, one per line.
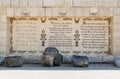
(80, 61)
(14, 61)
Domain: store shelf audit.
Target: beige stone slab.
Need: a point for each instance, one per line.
(2, 49)
(70, 11)
(85, 11)
(25, 11)
(18, 11)
(48, 3)
(6, 2)
(3, 26)
(3, 10)
(41, 11)
(77, 11)
(118, 2)
(60, 2)
(23, 3)
(33, 11)
(35, 3)
(83, 2)
(93, 10)
(0, 2)
(48, 12)
(116, 27)
(52, 11)
(3, 33)
(116, 18)
(98, 2)
(109, 3)
(62, 11)
(117, 11)
(3, 18)
(68, 2)
(14, 3)
(105, 11)
(10, 12)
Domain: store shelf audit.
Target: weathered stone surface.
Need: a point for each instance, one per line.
(1, 61)
(117, 61)
(67, 59)
(52, 57)
(80, 61)
(47, 60)
(51, 51)
(13, 61)
(58, 59)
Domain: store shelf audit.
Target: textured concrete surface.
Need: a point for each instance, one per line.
(93, 66)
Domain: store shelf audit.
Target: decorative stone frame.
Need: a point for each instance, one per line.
(76, 19)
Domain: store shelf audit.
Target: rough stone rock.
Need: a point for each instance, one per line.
(51, 51)
(1, 61)
(67, 59)
(117, 62)
(58, 59)
(47, 60)
(52, 57)
(80, 61)
(14, 61)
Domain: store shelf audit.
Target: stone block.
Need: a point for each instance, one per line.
(23, 3)
(41, 11)
(14, 61)
(2, 48)
(98, 2)
(110, 3)
(6, 2)
(60, 3)
(14, 3)
(105, 11)
(85, 11)
(49, 12)
(78, 3)
(18, 11)
(35, 3)
(52, 57)
(48, 60)
(0, 3)
(117, 11)
(70, 11)
(1, 61)
(80, 61)
(77, 11)
(51, 51)
(117, 61)
(10, 12)
(68, 2)
(33, 11)
(58, 60)
(48, 3)
(67, 59)
(3, 33)
(32, 58)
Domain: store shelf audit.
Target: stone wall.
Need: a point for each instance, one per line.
(59, 8)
